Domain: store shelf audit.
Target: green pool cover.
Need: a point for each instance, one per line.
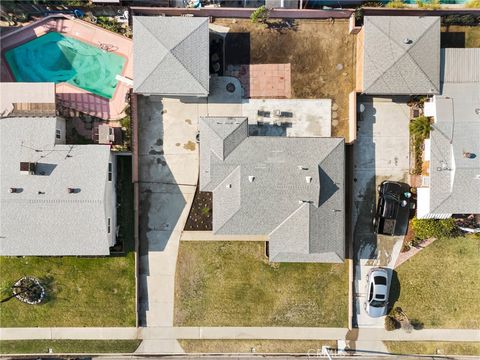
(57, 58)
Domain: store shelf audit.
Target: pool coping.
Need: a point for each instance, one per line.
(69, 95)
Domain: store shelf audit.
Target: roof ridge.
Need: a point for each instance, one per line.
(160, 43)
(181, 43)
(289, 217)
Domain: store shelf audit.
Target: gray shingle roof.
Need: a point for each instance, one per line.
(171, 55)
(55, 222)
(260, 187)
(455, 179)
(401, 55)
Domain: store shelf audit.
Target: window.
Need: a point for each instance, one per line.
(58, 134)
(109, 225)
(110, 171)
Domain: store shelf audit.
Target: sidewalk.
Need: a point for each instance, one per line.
(272, 333)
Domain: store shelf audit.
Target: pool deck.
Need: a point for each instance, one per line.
(69, 95)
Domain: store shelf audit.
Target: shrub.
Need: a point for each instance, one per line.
(396, 4)
(473, 4)
(391, 323)
(420, 126)
(427, 228)
(432, 5)
(467, 20)
(259, 15)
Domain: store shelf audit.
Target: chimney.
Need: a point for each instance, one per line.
(71, 190)
(308, 179)
(14, 190)
(251, 178)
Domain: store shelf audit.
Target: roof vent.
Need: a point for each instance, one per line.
(41, 193)
(72, 190)
(469, 155)
(301, 167)
(305, 201)
(14, 190)
(251, 178)
(229, 186)
(308, 179)
(407, 41)
(477, 111)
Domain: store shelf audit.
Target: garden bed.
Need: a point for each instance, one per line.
(200, 216)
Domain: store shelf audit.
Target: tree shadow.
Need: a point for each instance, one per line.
(48, 283)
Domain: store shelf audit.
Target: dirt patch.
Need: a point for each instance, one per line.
(321, 53)
(200, 217)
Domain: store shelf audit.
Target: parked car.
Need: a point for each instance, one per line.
(376, 304)
(393, 208)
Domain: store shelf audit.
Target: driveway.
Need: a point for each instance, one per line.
(168, 173)
(381, 152)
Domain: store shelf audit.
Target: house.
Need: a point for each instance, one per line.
(23, 99)
(56, 199)
(398, 55)
(291, 189)
(452, 184)
(171, 56)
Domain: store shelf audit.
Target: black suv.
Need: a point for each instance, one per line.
(393, 208)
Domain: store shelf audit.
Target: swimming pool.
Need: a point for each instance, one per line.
(57, 58)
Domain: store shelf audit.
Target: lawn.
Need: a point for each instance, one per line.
(433, 348)
(68, 346)
(233, 284)
(96, 291)
(440, 286)
(257, 346)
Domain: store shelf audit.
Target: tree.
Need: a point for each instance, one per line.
(259, 15)
(421, 127)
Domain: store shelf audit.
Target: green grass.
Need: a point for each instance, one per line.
(96, 291)
(260, 346)
(68, 346)
(232, 284)
(440, 286)
(433, 348)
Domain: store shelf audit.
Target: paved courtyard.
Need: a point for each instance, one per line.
(380, 153)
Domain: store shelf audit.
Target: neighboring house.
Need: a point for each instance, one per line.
(171, 56)
(55, 199)
(291, 189)
(23, 99)
(452, 184)
(399, 55)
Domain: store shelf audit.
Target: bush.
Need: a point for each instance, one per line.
(432, 5)
(396, 4)
(466, 20)
(420, 126)
(259, 15)
(391, 323)
(427, 228)
(473, 4)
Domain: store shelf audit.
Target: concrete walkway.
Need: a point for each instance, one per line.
(281, 333)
